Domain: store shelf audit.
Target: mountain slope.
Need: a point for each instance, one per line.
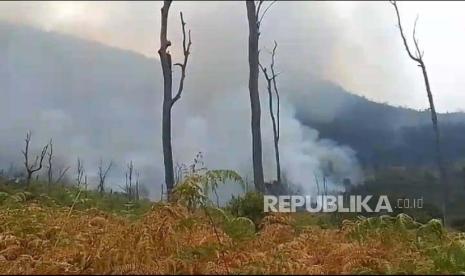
(104, 102)
(85, 95)
(381, 134)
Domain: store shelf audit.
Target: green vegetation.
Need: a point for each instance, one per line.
(249, 205)
(15, 195)
(415, 183)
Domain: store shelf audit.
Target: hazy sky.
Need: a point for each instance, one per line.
(355, 44)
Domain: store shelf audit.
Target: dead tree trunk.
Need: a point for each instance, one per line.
(317, 184)
(61, 172)
(252, 16)
(137, 185)
(37, 165)
(79, 172)
(50, 167)
(130, 172)
(85, 186)
(418, 58)
(129, 189)
(276, 125)
(165, 59)
(168, 100)
(272, 86)
(102, 173)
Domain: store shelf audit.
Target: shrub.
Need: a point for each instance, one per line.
(194, 189)
(249, 205)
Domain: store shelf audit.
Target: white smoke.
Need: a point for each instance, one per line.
(223, 134)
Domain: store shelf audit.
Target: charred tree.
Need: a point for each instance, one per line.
(317, 184)
(131, 189)
(36, 166)
(254, 96)
(254, 18)
(129, 180)
(50, 165)
(417, 57)
(254, 33)
(272, 89)
(79, 172)
(61, 172)
(102, 174)
(137, 193)
(168, 99)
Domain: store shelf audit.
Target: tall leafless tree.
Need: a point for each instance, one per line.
(137, 193)
(131, 187)
(162, 192)
(102, 174)
(254, 18)
(417, 57)
(85, 186)
(79, 172)
(317, 184)
(50, 165)
(36, 166)
(168, 99)
(179, 169)
(61, 172)
(272, 88)
(129, 176)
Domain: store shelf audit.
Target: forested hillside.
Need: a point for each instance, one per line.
(381, 134)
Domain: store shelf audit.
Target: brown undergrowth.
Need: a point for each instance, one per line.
(171, 240)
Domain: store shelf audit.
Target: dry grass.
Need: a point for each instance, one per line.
(170, 240)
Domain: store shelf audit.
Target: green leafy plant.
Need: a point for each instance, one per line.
(198, 183)
(194, 190)
(249, 205)
(238, 228)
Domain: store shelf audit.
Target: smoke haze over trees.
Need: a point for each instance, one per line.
(103, 105)
(101, 102)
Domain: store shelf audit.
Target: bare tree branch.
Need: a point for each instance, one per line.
(137, 185)
(61, 174)
(259, 6)
(407, 48)
(79, 172)
(264, 12)
(419, 54)
(50, 167)
(102, 173)
(186, 50)
(129, 189)
(273, 54)
(37, 165)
